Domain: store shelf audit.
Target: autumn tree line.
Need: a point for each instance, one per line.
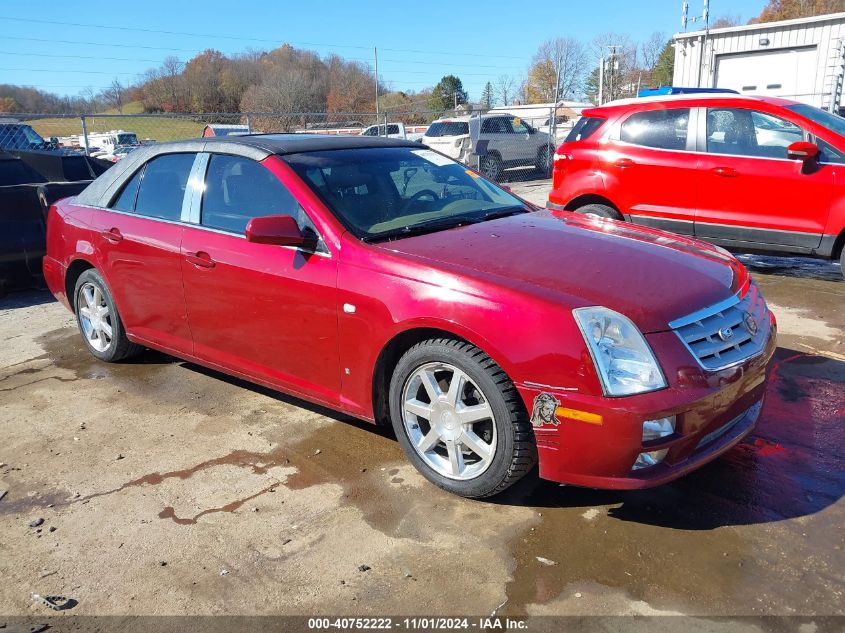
(289, 79)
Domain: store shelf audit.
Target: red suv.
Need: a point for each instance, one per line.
(748, 173)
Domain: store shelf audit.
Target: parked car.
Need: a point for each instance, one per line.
(19, 136)
(392, 283)
(393, 130)
(747, 173)
(508, 142)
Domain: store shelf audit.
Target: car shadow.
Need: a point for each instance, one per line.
(790, 466)
(25, 299)
(798, 267)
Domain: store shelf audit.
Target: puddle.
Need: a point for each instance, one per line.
(798, 267)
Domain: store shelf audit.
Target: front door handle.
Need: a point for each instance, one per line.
(200, 259)
(113, 235)
(725, 172)
(624, 162)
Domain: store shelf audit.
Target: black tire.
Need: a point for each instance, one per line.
(491, 166)
(515, 453)
(544, 161)
(601, 210)
(842, 261)
(119, 347)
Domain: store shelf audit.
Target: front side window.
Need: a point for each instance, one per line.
(238, 189)
(662, 129)
(394, 192)
(517, 126)
(163, 186)
(742, 132)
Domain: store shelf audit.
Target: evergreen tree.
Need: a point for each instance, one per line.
(448, 93)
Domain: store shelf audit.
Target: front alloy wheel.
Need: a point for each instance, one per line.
(448, 421)
(459, 418)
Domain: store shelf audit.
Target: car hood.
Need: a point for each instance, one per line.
(651, 276)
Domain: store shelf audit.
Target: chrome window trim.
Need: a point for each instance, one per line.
(241, 236)
(193, 192)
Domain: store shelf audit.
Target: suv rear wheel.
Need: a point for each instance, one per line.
(459, 418)
(491, 166)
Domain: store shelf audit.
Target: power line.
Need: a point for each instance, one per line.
(242, 39)
(53, 70)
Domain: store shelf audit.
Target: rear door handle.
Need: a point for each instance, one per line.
(624, 162)
(113, 235)
(725, 172)
(200, 259)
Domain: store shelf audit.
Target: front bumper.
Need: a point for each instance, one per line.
(597, 440)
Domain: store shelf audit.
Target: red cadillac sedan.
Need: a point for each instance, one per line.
(389, 282)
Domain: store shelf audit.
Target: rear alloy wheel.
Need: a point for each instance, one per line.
(98, 320)
(491, 166)
(544, 161)
(459, 418)
(601, 210)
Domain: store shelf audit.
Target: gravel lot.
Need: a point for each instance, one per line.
(166, 488)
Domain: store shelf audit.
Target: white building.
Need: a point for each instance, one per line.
(802, 59)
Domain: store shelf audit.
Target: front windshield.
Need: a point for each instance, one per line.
(828, 120)
(127, 139)
(392, 192)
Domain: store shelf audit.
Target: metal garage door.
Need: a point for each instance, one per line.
(786, 73)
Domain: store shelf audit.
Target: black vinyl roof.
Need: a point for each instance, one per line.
(295, 143)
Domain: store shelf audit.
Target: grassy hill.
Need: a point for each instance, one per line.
(159, 127)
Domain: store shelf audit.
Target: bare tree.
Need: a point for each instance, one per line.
(650, 49)
(621, 71)
(114, 94)
(542, 77)
(505, 89)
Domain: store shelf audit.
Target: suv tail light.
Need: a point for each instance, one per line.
(559, 165)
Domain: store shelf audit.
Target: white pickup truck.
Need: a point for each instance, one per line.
(392, 130)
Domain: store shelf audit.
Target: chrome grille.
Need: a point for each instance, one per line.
(723, 334)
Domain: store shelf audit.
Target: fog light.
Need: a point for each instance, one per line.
(655, 430)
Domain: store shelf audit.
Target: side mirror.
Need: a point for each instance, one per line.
(802, 150)
(281, 230)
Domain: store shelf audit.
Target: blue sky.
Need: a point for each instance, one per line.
(65, 46)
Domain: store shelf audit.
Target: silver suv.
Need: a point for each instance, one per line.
(492, 143)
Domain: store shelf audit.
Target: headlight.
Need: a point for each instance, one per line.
(624, 361)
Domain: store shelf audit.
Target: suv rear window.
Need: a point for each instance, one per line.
(584, 128)
(447, 128)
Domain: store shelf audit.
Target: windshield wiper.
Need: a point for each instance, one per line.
(445, 223)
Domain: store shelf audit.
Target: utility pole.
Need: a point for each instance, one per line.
(601, 80)
(705, 18)
(375, 57)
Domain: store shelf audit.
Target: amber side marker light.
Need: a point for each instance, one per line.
(581, 416)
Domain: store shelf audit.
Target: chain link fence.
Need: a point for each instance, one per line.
(504, 144)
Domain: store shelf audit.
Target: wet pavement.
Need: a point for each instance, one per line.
(177, 490)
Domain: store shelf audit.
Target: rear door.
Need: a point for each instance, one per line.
(751, 192)
(650, 169)
(266, 311)
(139, 237)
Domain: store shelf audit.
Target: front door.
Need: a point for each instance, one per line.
(268, 312)
(751, 192)
(139, 240)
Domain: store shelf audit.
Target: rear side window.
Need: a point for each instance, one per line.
(163, 186)
(447, 128)
(584, 128)
(126, 200)
(662, 129)
(239, 189)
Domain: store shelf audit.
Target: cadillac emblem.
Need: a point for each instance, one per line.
(725, 334)
(750, 324)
